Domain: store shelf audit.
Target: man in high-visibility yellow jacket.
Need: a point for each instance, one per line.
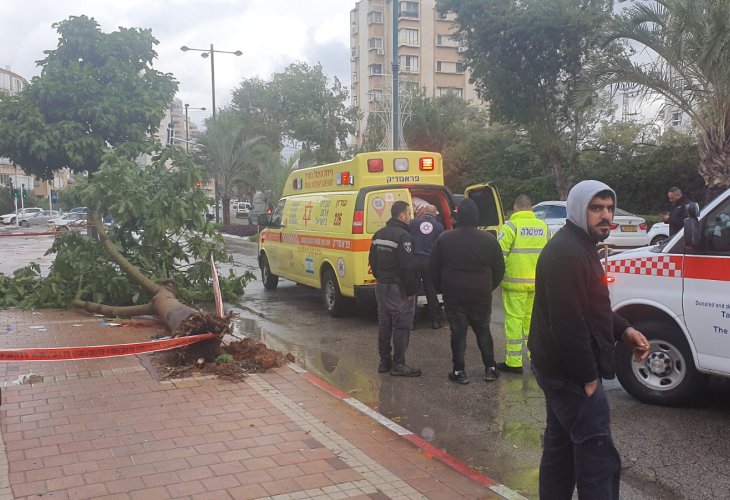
(522, 238)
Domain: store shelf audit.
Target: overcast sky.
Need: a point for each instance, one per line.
(271, 34)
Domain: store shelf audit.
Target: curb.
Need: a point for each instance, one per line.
(426, 448)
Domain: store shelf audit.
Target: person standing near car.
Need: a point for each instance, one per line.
(522, 238)
(572, 339)
(466, 265)
(425, 230)
(677, 211)
(394, 267)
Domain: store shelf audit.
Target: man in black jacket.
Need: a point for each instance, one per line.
(466, 265)
(394, 267)
(677, 211)
(572, 340)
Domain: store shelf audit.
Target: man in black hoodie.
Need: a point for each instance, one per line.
(572, 338)
(394, 267)
(466, 265)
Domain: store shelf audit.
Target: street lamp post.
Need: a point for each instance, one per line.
(187, 131)
(210, 53)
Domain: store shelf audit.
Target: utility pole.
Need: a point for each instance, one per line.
(396, 68)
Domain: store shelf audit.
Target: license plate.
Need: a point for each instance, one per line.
(628, 229)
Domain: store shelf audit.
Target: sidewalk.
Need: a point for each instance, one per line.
(106, 429)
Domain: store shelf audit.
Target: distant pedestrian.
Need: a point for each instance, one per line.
(572, 340)
(522, 238)
(466, 265)
(394, 267)
(677, 211)
(425, 230)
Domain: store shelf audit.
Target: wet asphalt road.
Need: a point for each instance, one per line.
(496, 428)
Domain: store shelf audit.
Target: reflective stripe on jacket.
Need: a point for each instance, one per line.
(522, 238)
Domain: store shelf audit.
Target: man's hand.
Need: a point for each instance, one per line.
(665, 217)
(634, 339)
(590, 387)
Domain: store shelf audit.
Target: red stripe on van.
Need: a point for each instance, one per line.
(702, 267)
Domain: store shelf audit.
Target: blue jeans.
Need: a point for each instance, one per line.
(477, 315)
(578, 448)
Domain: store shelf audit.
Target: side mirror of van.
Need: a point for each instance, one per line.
(692, 226)
(263, 220)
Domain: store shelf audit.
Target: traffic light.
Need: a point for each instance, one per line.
(15, 194)
(25, 193)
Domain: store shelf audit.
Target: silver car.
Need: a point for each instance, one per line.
(40, 218)
(26, 212)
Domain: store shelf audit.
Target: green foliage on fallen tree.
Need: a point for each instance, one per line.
(158, 225)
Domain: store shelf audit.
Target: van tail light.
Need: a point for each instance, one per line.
(426, 164)
(357, 222)
(643, 226)
(375, 165)
(608, 279)
(614, 226)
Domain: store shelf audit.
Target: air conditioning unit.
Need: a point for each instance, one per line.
(380, 52)
(461, 48)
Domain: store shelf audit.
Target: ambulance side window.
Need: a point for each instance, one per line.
(276, 216)
(717, 230)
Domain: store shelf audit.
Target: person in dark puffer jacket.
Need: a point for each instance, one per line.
(466, 265)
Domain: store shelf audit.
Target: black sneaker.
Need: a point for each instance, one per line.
(459, 377)
(436, 324)
(504, 367)
(405, 371)
(491, 374)
(384, 366)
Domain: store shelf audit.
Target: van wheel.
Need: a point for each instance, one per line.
(668, 377)
(271, 281)
(334, 301)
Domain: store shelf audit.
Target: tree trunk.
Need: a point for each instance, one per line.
(226, 208)
(180, 319)
(563, 179)
(714, 167)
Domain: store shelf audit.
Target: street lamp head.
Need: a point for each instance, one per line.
(238, 53)
(184, 48)
(204, 54)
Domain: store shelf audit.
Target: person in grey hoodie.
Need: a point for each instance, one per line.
(572, 339)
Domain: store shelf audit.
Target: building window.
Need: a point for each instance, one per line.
(677, 119)
(376, 69)
(354, 52)
(449, 67)
(409, 64)
(442, 91)
(375, 17)
(447, 41)
(354, 77)
(407, 36)
(409, 9)
(375, 95)
(354, 100)
(375, 43)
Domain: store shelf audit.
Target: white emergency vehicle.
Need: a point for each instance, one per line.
(678, 294)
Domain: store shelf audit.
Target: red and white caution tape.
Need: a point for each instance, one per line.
(99, 351)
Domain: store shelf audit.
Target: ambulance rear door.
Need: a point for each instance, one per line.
(491, 214)
(706, 298)
(376, 209)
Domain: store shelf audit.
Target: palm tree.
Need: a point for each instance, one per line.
(230, 155)
(689, 50)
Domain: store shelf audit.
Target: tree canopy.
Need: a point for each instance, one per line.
(688, 44)
(300, 108)
(526, 58)
(96, 91)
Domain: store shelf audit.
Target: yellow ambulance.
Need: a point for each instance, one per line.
(320, 231)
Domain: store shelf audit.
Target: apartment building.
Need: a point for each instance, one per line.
(429, 56)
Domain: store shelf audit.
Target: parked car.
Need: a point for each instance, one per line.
(39, 218)
(11, 217)
(627, 231)
(73, 220)
(658, 233)
(243, 208)
(78, 209)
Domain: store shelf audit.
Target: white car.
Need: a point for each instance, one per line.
(658, 233)
(39, 218)
(11, 217)
(627, 231)
(67, 222)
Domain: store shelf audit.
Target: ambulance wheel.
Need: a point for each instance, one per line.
(271, 281)
(334, 301)
(668, 377)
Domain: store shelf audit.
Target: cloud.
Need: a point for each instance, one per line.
(271, 34)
